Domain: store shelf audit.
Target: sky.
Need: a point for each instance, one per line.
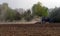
(26, 4)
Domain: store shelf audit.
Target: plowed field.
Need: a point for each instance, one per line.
(52, 29)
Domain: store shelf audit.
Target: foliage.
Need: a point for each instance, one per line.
(28, 15)
(55, 14)
(39, 10)
(12, 15)
(17, 16)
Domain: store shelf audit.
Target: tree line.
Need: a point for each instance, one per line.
(37, 10)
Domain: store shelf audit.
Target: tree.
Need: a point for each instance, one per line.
(28, 15)
(12, 15)
(17, 16)
(39, 10)
(3, 9)
(55, 14)
(7, 13)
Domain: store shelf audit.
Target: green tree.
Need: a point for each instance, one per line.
(7, 13)
(10, 14)
(39, 10)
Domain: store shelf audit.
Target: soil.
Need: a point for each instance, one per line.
(51, 29)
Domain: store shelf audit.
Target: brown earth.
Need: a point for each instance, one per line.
(52, 29)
